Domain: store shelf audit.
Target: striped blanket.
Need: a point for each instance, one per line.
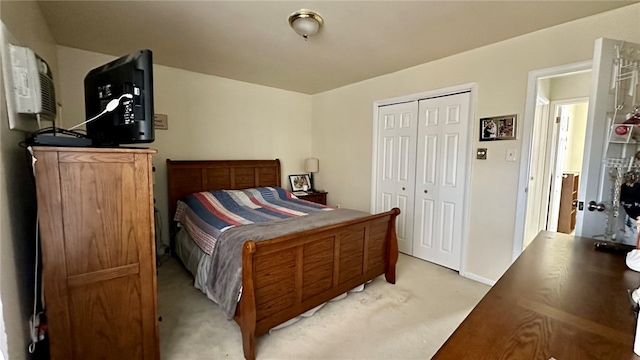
(205, 215)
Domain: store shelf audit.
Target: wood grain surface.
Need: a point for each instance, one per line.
(95, 210)
(560, 299)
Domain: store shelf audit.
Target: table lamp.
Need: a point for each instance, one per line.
(311, 166)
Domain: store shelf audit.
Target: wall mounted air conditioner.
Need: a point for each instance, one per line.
(28, 86)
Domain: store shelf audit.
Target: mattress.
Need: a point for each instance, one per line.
(194, 259)
(206, 215)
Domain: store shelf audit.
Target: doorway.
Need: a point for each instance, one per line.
(556, 155)
(549, 92)
(611, 100)
(568, 137)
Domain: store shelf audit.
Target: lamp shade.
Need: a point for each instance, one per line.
(305, 26)
(305, 22)
(311, 165)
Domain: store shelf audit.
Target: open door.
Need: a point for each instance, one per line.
(561, 137)
(614, 94)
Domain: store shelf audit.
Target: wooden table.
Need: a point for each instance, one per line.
(560, 299)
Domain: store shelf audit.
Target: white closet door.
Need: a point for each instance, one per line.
(396, 166)
(443, 125)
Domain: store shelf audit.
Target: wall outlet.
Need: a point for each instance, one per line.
(338, 206)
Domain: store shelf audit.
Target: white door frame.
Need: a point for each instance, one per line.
(472, 88)
(527, 132)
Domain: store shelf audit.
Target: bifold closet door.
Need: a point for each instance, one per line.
(442, 133)
(396, 166)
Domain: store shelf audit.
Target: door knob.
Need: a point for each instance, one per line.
(403, 188)
(426, 191)
(595, 206)
(574, 203)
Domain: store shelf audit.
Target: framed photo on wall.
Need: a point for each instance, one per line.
(498, 128)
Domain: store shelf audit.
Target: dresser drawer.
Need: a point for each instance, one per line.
(316, 197)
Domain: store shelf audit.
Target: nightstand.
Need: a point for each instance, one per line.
(319, 197)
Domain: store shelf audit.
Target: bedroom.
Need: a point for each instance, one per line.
(318, 129)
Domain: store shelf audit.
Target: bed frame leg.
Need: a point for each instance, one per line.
(249, 344)
(392, 249)
(248, 302)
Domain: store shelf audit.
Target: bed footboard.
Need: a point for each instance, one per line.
(286, 276)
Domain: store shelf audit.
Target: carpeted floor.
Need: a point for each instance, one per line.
(408, 320)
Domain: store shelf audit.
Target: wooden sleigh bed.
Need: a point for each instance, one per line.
(288, 275)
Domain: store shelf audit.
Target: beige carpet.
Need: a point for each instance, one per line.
(408, 320)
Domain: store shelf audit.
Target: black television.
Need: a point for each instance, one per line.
(129, 79)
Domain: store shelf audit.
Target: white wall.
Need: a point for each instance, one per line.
(570, 86)
(578, 132)
(342, 123)
(209, 118)
(575, 143)
(17, 190)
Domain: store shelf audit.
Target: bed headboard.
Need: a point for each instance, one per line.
(189, 176)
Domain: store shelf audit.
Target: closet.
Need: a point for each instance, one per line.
(421, 166)
(95, 210)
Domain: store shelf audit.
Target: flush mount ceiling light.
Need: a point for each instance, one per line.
(305, 22)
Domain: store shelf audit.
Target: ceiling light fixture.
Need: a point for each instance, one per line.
(305, 22)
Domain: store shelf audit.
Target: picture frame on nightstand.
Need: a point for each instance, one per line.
(300, 182)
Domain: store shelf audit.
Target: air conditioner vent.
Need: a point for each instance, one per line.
(48, 95)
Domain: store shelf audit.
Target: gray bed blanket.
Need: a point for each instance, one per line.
(225, 276)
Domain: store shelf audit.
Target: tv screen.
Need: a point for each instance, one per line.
(130, 79)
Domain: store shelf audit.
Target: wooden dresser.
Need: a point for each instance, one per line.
(95, 209)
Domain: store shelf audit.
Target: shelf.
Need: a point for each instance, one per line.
(628, 162)
(568, 194)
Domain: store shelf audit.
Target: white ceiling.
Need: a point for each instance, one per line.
(251, 40)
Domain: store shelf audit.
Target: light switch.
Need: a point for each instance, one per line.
(511, 155)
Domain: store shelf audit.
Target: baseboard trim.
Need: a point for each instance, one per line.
(479, 278)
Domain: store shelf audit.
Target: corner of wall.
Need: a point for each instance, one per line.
(25, 21)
